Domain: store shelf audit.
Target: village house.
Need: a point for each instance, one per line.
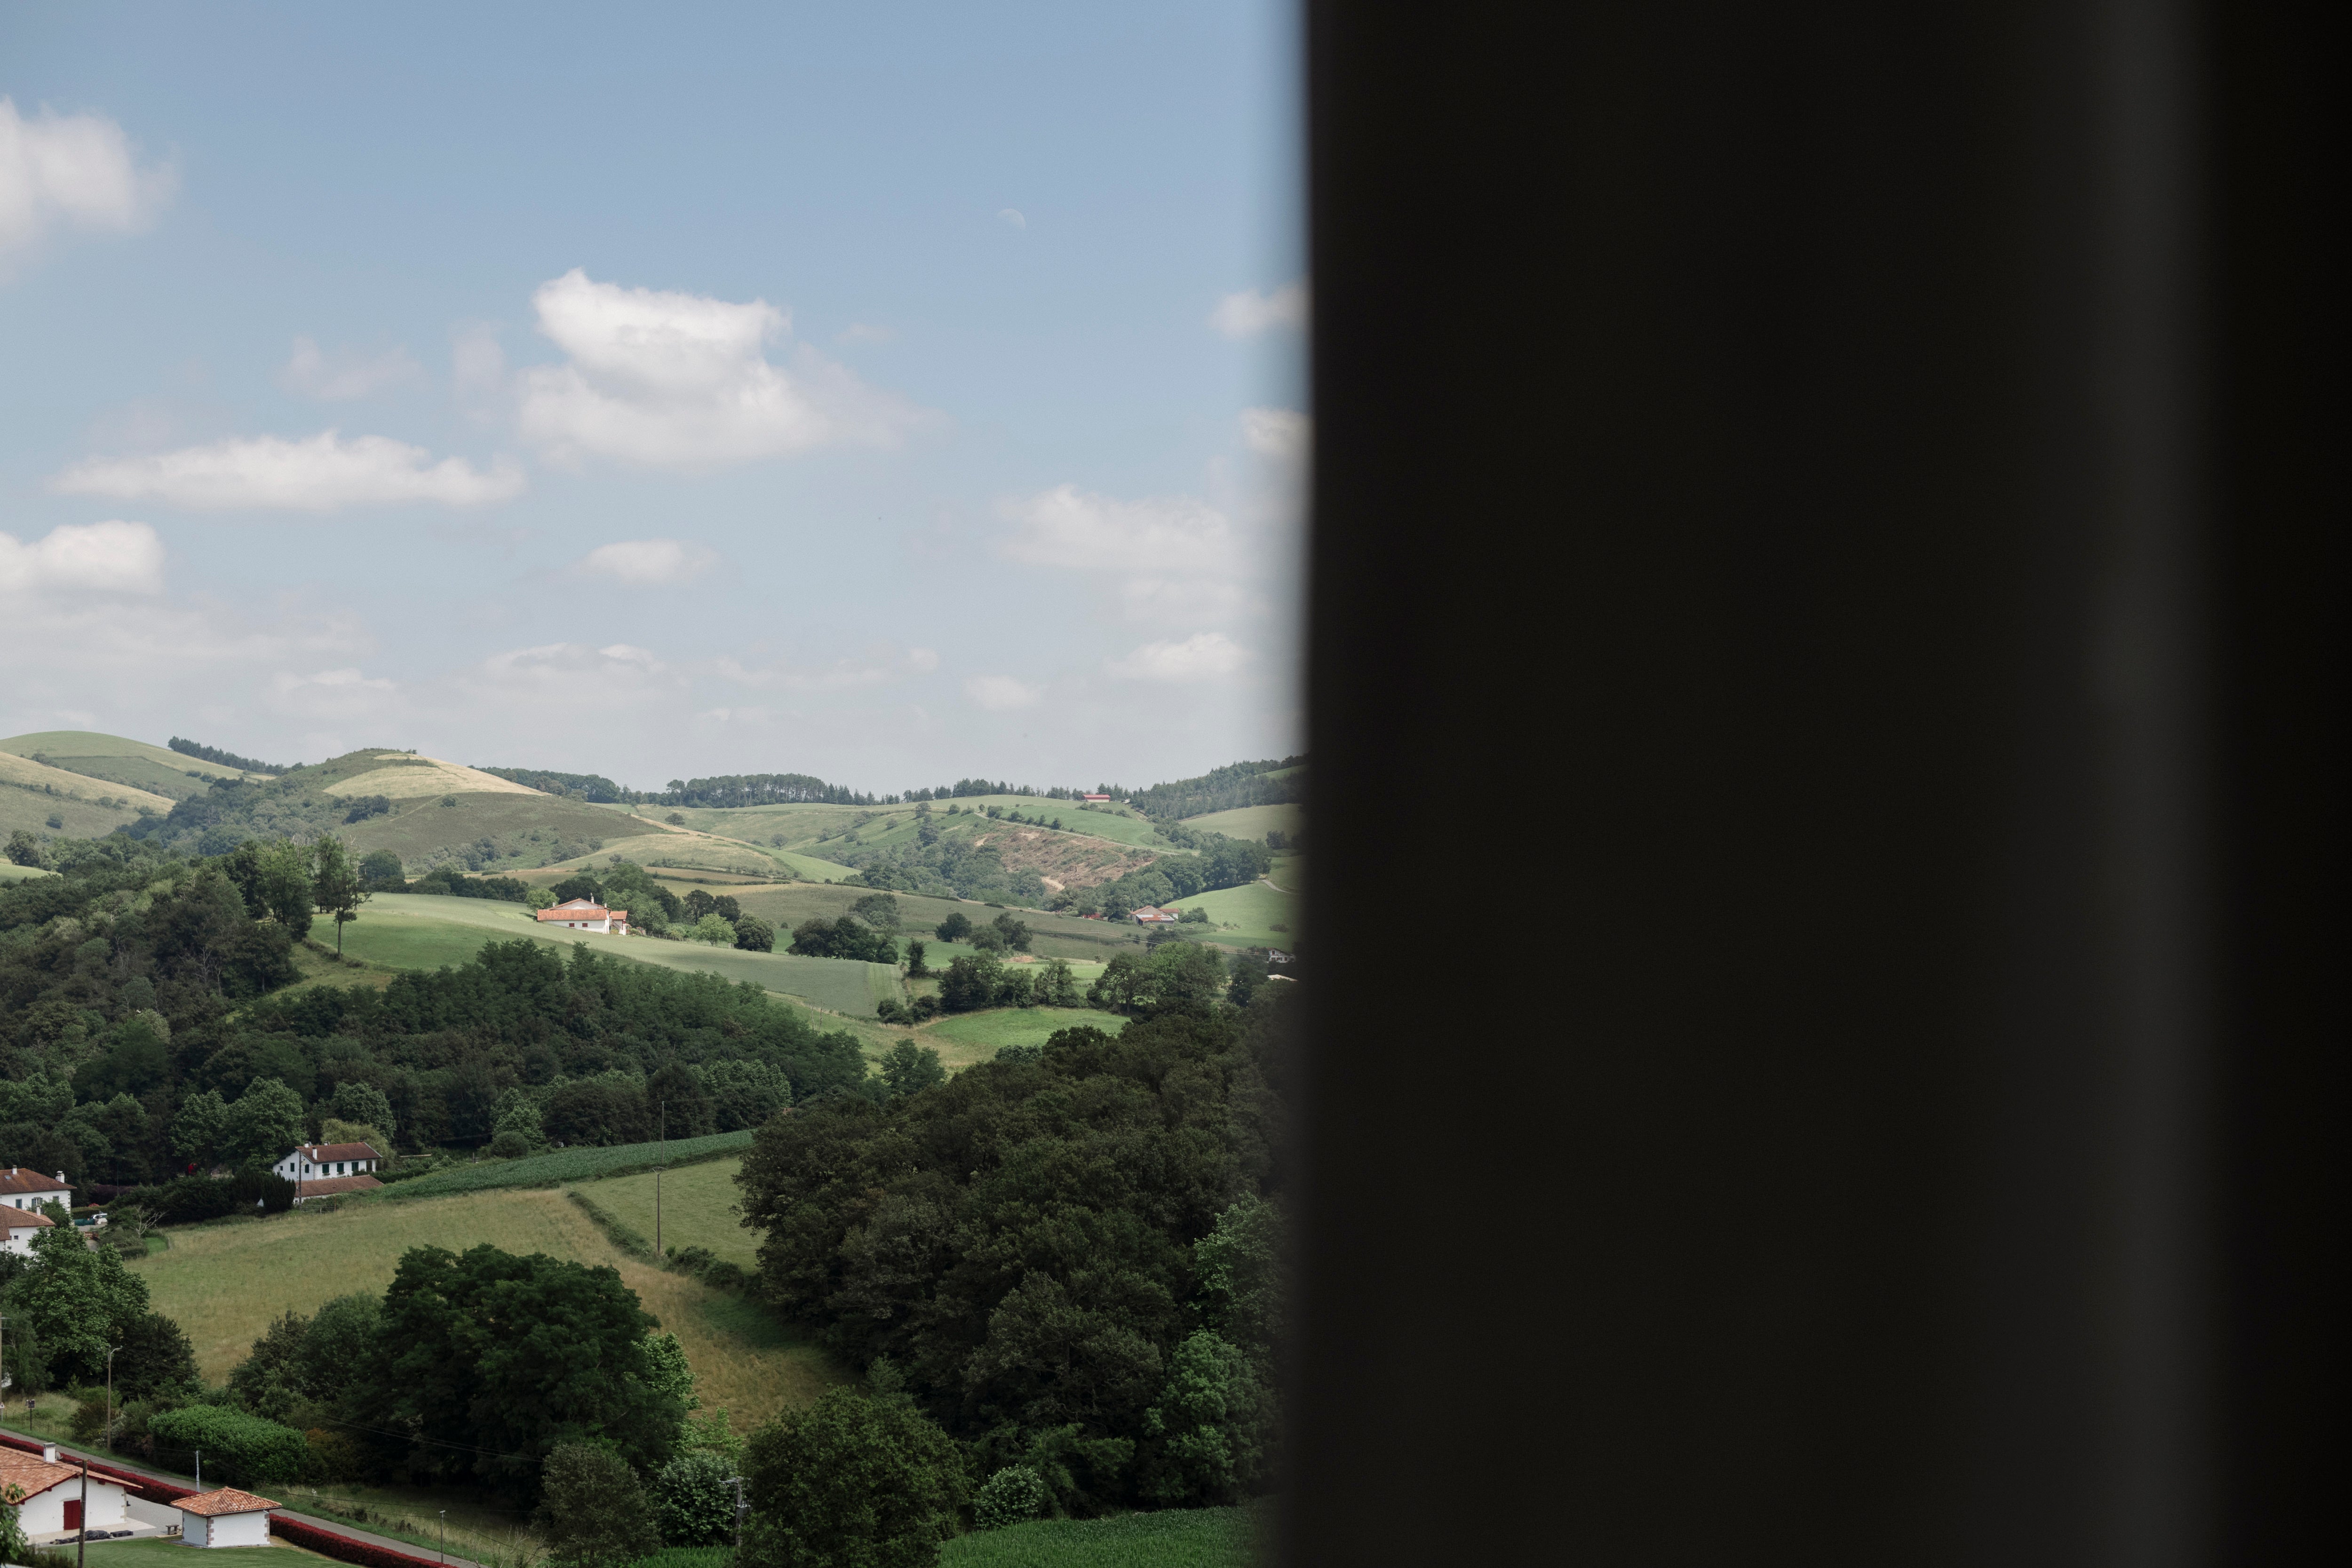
(17, 1230)
(53, 1505)
(224, 1517)
(326, 1169)
(586, 914)
(1098, 799)
(1148, 916)
(29, 1189)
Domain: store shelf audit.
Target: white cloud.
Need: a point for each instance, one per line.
(1010, 218)
(1205, 656)
(1068, 527)
(682, 381)
(97, 557)
(1001, 693)
(343, 376)
(334, 680)
(320, 473)
(71, 171)
(649, 560)
(1250, 313)
(1279, 433)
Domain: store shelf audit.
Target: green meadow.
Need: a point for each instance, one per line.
(10, 872)
(1254, 916)
(423, 931)
(1250, 821)
(697, 1208)
(982, 1035)
(1178, 1538)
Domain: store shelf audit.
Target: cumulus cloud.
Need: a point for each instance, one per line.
(1249, 313)
(649, 560)
(1001, 693)
(321, 473)
(71, 172)
(343, 376)
(1072, 528)
(1207, 655)
(97, 557)
(1278, 433)
(683, 381)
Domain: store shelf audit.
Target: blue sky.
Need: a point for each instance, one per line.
(887, 393)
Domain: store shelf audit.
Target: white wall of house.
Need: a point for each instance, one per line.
(296, 1168)
(226, 1529)
(44, 1513)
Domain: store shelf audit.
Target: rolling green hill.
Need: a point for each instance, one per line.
(120, 761)
(1250, 821)
(32, 793)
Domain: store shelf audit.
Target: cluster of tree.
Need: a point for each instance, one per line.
(1067, 1256)
(1291, 843)
(362, 806)
(1007, 932)
(1222, 789)
(446, 879)
(1221, 862)
(68, 1303)
(983, 980)
(1176, 976)
(227, 759)
(848, 937)
(234, 810)
(24, 849)
(593, 787)
(946, 865)
(758, 789)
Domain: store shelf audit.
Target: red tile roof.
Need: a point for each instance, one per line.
(228, 1500)
(32, 1472)
(580, 910)
(25, 1179)
(24, 1220)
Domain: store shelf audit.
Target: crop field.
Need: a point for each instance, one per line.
(424, 930)
(1250, 821)
(1176, 1538)
(563, 1166)
(223, 1282)
(697, 1208)
(1249, 915)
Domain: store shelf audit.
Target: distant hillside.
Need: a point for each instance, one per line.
(188, 748)
(120, 761)
(46, 801)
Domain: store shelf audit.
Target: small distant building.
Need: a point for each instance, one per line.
(54, 1504)
(1096, 799)
(330, 1170)
(224, 1517)
(17, 1230)
(1148, 916)
(586, 914)
(29, 1189)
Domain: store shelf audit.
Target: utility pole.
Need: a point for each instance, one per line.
(661, 1157)
(445, 1536)
(200, 1469)
(81, 1536)
(5, 1379)
(741, 1507)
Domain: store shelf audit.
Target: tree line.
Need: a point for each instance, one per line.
(227, 759)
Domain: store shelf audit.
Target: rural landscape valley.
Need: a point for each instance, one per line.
(751, 1122)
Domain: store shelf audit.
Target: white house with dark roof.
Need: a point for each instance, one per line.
(53, 1504)
(330, 1170)
(25, 1188)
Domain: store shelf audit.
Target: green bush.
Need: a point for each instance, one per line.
(693, 1504)
(246, 1448)
(1013, 1495)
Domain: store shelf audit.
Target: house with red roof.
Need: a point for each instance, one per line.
(224, 1517)
(54, 1501)
(586, 914)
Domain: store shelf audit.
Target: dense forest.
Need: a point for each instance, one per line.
(1222, 789)
(1065, 1256)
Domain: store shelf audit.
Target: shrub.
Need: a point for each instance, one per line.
(1013, 1495)
(249, 1448)
(510, 1145)
(693, 1504)
(592, 1512)
(850, 1479)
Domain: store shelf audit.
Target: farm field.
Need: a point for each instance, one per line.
(563, 1167)
(223, 1282)
(1289, 873)
(1250, 821)
(1248, 915)
(980, 1036)
(1177, 1538)
(424, 930)
(30, 794)
(697, 1208)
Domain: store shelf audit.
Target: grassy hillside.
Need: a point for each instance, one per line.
(86, 807)
(698, 1208)
(73, 748)
(420, 931)
(1248, 915)
(222, 1283)
(11, 872)
(521, 829)
(1250, 821)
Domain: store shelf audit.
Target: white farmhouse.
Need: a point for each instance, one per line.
(17, 1230)
(324, 1170)
(27, 1189)
(224, 1517)
(586, 914)
(54, 1499)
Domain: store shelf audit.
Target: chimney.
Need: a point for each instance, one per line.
(49, 1452)
(61, 1180)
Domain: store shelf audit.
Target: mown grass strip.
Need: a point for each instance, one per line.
(568, 1165)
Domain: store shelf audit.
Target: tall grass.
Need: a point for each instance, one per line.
(1177, 1538)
